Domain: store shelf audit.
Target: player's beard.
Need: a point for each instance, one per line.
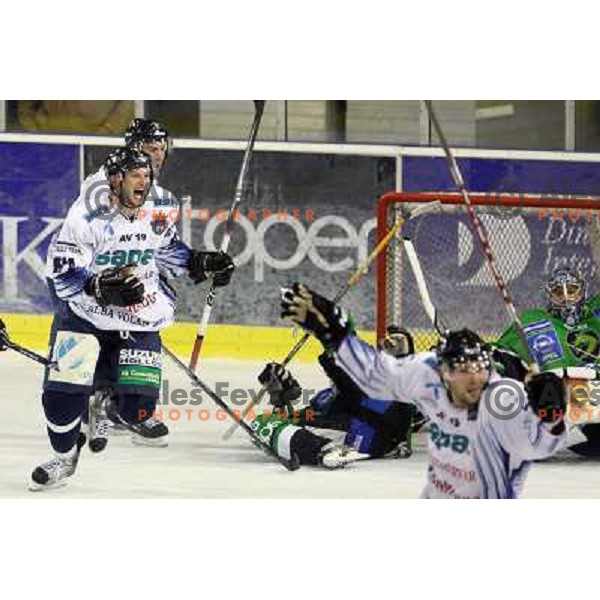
(466, 393)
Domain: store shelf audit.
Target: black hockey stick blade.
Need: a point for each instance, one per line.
(290, 465)
(7, 343)
(587, 449)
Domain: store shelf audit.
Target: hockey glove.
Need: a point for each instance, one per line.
(327, 321)
(202, 264)
(3, 335)
(281, 385)
(118, 286)
(398, 342)
(546, 393)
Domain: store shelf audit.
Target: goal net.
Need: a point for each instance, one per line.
(529, 236)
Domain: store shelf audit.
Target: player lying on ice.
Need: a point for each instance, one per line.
(563, 338)
(474, 452)
(112, 305)
(341, 423)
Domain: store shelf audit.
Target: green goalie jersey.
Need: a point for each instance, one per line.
(552, 343)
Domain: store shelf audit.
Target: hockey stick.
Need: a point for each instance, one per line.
(415, 265)
(75, 353)
(482, 236)
(352, 281)
(8, 343)
(290, 465)
(259, 107)
(419, 276)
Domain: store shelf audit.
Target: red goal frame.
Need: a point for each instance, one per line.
(482, 202)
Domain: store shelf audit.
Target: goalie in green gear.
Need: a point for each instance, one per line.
(563, 338)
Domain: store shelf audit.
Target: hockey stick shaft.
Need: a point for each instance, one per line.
(479, 231)
(288, 464)
(352, 281)
(428, 305)
(239, 192)
(29, 353)
(8, 343)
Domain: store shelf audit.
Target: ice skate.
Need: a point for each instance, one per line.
(337, 456)
(151, 432)
(54, 473)
(99, 424)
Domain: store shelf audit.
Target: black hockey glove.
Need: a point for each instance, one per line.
(202, 264)
(546, 393)
(327, 321)
(281, 385)
(398, 342)
(3, 335)
(118, 286)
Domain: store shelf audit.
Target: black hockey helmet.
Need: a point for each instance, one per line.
(112, 161)
(129, 159)
(123, 160)
(143, 131)
(464, 347)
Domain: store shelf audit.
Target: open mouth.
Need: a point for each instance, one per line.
(474, 392)
(138, 195)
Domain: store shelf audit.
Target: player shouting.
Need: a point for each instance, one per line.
(105, 272)
(475, 451)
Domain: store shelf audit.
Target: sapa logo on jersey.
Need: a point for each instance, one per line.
(118, 258)
(146, 358)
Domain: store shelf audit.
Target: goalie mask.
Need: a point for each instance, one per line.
(566, 292)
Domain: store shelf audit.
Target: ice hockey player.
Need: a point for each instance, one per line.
(563, 338)
(474, 450)
(151, 138)
(340, 420)
(105, 272)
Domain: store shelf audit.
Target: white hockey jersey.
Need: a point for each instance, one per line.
(472, 452)
(95, 236)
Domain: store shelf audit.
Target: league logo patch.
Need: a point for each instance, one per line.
(584, 344)
(543, 342)
(159, 223)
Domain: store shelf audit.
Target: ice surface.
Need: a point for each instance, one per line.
(199, 464)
